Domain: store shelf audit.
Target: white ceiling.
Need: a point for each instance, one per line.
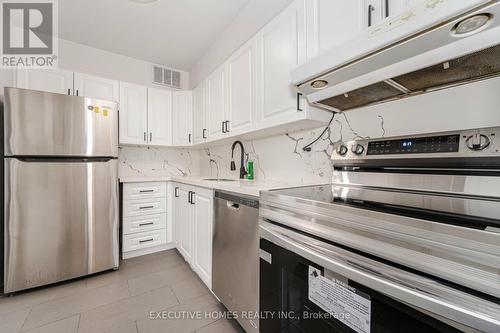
(175, 33)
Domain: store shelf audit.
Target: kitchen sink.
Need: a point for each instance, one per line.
(221, 179)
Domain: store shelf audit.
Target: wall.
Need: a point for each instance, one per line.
(281, 158)
(248, 21)
(85, 59)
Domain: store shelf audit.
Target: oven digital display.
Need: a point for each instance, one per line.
(426, 145)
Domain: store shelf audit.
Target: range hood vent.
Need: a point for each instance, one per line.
(480, 65)
(432, 46)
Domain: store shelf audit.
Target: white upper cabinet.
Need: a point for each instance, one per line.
(281, 47)
(200, 119)
(374, 11)
(159, 117)
(331, 23)
(241, 89)
(133, 124)
(216, 103)
(96, 87)
(54, 81)
(182, 117)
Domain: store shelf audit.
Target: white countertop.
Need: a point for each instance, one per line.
(241, 186)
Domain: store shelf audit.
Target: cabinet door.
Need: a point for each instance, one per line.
(185, 221)
(54, 81)
(216, 94)
(200, 130)
(159, 117)
(241, 89)
(374, 12)
(176, 215)
(202, 217)
(133, 122)
(395, 7)
(182, 115)
(331, 23)
(281, 47)
(96, 87)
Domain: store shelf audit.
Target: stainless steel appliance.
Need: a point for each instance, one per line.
(433, 45)
(405, 239)
(60, 187)
(235, 263)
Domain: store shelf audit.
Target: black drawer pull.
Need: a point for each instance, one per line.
(146, 191)
(145, 224)
(147, 207)
(146, 240)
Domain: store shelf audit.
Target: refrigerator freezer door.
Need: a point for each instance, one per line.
(47, 124)
(61, 221)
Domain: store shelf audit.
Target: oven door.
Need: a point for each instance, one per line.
(307, 285)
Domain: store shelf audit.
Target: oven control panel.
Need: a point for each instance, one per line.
(429, 145)
(463, 143)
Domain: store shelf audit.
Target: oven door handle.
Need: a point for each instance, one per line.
(412, 289)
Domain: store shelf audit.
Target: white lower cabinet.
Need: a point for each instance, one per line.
(193, 227)
(145, 227)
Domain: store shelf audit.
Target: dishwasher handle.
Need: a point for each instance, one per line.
(233, 205)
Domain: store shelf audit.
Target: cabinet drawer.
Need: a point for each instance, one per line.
(144, 223)
(144, 207)
(144, 240)
(132, 191)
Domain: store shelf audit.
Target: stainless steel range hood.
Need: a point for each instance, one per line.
(435, 45)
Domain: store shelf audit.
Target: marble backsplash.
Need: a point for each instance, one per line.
(153, 161)
(281, 158)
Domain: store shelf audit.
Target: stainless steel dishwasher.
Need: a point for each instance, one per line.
(235, 256)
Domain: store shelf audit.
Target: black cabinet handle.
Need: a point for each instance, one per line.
(204, 135)
(298, 101)
(386, 8)
(150, 136)
(192, 198)
(146, 191)
(189, 197)
(76, 92)
(146, 240)
(227, 126)
(370, 10)
(69, 91)
(144, 136)
(176, 193)
(147, 207)
(189, 137)
(145, 224)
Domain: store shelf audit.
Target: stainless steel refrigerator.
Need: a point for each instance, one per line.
(60, 187)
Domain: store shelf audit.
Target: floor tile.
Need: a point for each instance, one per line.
(159, 279)
(136, 269)
(222, 326)
(30, 298)
(188, 289)
(112, 315)
(125, 328)
(68, 325)
(13, 321)
(203, 306)
(65, 307)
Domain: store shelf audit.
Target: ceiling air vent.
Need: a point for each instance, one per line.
(166, 77)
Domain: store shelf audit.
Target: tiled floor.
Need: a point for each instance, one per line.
(120, 301)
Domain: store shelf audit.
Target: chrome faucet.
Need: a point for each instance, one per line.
(243, 171)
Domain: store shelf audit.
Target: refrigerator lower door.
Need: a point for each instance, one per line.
(61, 220)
